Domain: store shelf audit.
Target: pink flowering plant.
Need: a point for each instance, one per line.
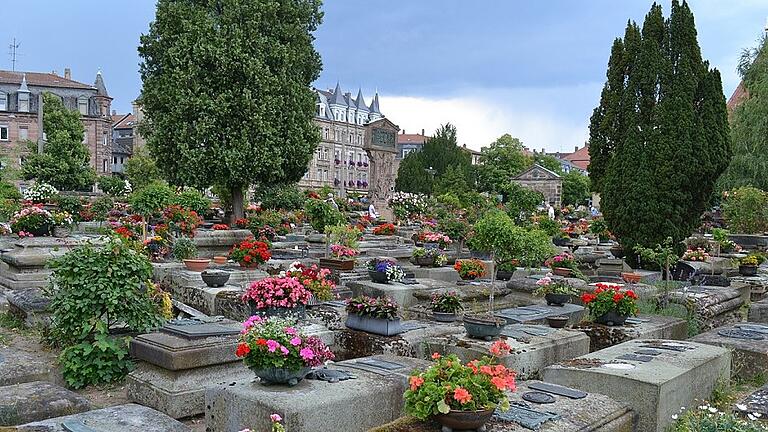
(315, 279)
(277, 343)
(373, 307)
(31, 218)
(697, 254)
(277, 291)
(562, 260)
(343, 252)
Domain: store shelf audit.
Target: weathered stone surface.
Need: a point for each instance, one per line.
(398, 252)
(749, 241)
(652, 327)
(401, 293)
(37, 400)
(355, 405)
(122, 418)
(538, 313)
(527, 284)
(713, 306)
(531, 352)
(655, 389)
(755, 402)
(758, 311)
(447, 274)
(29, 305)
(412, 343)
(758, 285)
(211, 242)
(20, 365)
(612, 267)
(749, 357)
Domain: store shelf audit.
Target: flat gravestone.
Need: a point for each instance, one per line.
(645, 327)
(122, 418)
(756, 402)
(538, 314)
(355, 405)
(655, 389)
(558, 390)
(37, 400)
(29, 305)
(19, 366)
(401, 293)
(758, 311)
(199, 331)
(749, 345)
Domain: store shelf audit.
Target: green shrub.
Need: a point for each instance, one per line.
(321, 215)
(152, 199)
(7, 208)
(70, 204)
(281, 197)
(9, 191)
(746, 210)
(101, 207)
(102, 361)
(192, 199)
(114, 186)
(184, 248)
(549, 226)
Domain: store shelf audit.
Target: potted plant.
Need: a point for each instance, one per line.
(384, 271)
(506, 269)
(40, 193)
(181, 221)
(461, 396)
(563, 264)
(697, 254)
(62, 223)
(277, 296)
(599, 228)
(215, 278)
(555, 293)
(631, 277)
(342, 258)
(373, 315)
(445, 306)
(424, 257)
(469, 269)
(157, 248)
(609, 305)
(560, 238)
(317, 280)
(748, 264)
(386, 229)
(250, 253)
(435, 239)
(184, 250)
(32, 221)
(277, 352)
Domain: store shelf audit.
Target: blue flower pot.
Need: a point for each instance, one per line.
(281, 376)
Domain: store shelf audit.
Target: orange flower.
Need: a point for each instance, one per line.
(499, 382)
(242, 350)
(461, 395)
(500, 348)
(435, 356)
(416, 382)
(486, 370)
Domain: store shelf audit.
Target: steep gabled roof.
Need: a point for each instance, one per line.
(41, 80)
(375, 104)
(580, 157)
(537, 167)
(739, 95)
(101, 89)
(337, 97)
(360, 101)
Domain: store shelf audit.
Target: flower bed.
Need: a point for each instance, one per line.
(469, 268)
(40, 193)
(391, 271)
(697, 254)
(277, 292)
(608, 298)
(250, 253)
(384, 229)
(343, 252)
(372, 307)
(315, 279)
(181, 220)
(32, 221)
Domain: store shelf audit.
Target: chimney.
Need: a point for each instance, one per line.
(68, 73)
(403, 131)
(542, 150)
(422, 132)
(114, 113)
(577, 149)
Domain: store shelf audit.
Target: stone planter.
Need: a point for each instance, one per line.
(504, 275)
(561, 271)
(197, 264)
(299, 312)
(424, 261)
(277, 376)
(611, 319)
(557, 299)
(483, 327)
(560, 241)
(747, 270)
(219, 259)
(378, 277)
(215, 278)
(559, 321)
(617, 251)
(444, 316)
(337, 264)
(464, 420)
(379, 326)
(60, 231)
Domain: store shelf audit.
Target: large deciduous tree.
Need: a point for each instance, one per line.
(65, 161)
(227, 94)
(659, 139)
(501, 161)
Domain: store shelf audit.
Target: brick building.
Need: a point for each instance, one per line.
(542, 180)
(21, 120)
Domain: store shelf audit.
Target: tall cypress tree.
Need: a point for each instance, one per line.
(659, 137)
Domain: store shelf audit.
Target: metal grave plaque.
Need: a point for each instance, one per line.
(525, 417)
(668, 347)
(412, 325)
(536, 330)
(330, 375)
(335, 303)
(635, 357)
(636, 320)
(409, 281)
(538, 397)
(198, 331)
(76, 426)
(558, 390)
(648, 352)
(380, 364)
(736, 333)
(753, 327)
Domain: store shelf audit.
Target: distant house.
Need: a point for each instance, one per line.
(579, 158)
(408, 143)
(542, 180)
(474, 154)
(123, 134)
(739, 95)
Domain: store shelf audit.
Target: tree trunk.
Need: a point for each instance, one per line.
(237, 203)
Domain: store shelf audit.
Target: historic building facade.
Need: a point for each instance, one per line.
(340, 160)
(21, 119)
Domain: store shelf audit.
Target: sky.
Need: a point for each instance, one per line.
(530, 68)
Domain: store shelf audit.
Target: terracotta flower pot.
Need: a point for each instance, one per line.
(631, 278)
(561, 271)
(220, 260)
(250, 266)
(197, 265)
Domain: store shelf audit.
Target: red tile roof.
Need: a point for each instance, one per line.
(580, 157)
(411, 139)
(41, 80)
(123, 121)
(738, 96)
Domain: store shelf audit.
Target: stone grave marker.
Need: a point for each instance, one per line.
(37, 400)
(19, 366)
(537, 314)
(411, 343)
(749, 345)
(713, 306)
(758, 311)
(756, 402)
(645, 327)
(374, 398)
(122, 418)
(401, 293)
(676, 376)
(29, 305)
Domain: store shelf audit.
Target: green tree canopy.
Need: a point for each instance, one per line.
(227, 93)
(549, 162)
(65, 161)
(419, 171)
(501, 161)
(453, 180)
(659, 139)
(575, 188)
(141, 169)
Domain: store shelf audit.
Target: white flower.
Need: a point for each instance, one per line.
(674, 416)
(712, 410)
(741, 407)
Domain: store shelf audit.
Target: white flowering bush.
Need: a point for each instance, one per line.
(705, 418)
(405, 204)
(40, 192)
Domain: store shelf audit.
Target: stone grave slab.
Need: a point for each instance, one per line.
(37, 400)
(412, 343)
(20, 366)
(755, 402)
(373, 398)
(122, 418)
(758, 311)
(212, 242)
(29, 305)
(644, 327)
(653, 376)
(400, 292)
(538, 313)
(533, 347)
(748, 343)
(713, 306)
(758, 285)
(447, 274)
(611, 267)
(401, 253)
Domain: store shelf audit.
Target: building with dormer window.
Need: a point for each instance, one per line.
(340, 160)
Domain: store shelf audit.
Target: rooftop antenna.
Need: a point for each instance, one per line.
(12, 51)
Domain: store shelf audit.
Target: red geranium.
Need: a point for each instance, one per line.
(250, 252)
(243, 350)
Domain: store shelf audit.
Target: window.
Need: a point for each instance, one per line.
(325, 133)
(114, 160)
(325, 153)
(104, 165)
(3, 102)
(3, 133)
(352, 156)
(319, 174)
(23, 102)
(82, 105)
(85, 137)
(104, 142)
(23, 133)
(325, 175)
